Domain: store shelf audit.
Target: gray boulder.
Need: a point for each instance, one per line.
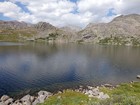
(42, 98)
(9, 101)
(26, 103)
(27, 100)
(37, 101)
(103, 96)
(138, 76)
(17, 102)
(44, 93)
(4, 98)
(2, 103)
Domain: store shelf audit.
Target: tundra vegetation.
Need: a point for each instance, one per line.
(124, 94)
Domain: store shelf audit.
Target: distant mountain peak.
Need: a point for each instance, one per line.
(43, 26)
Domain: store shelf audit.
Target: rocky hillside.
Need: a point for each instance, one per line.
(15, 31)
(13, 25)
(122, 30)
(42, 31)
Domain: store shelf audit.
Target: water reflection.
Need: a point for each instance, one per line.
(41, 65)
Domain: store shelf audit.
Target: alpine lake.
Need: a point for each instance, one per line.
(30, 67)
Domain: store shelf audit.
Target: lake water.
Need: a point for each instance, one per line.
(30, 67)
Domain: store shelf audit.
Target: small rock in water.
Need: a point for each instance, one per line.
(4, 98)
(138, 76)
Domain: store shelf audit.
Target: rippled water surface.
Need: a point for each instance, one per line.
(29, 67)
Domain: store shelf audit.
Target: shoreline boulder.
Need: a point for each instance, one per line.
(4, 98)
(138, 76)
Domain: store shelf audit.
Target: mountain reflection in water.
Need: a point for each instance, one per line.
(54, 67)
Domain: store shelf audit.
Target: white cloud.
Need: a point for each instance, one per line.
(127, 6)
(13, 11)
(65, 12)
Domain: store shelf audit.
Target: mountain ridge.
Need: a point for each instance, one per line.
(124, 29)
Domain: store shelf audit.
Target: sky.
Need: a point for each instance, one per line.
(67, 12)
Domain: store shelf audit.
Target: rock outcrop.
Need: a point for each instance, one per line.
(93, 92)
(121, 30)
(42, 96)
(26, 100)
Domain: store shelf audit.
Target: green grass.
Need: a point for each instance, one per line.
(124, 94)
(68, 97)
(16, 35)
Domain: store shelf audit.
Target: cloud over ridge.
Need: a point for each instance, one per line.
(68, 12)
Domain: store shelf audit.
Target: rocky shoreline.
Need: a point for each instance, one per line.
(91, 92)
(26, 100)
(44, 95)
